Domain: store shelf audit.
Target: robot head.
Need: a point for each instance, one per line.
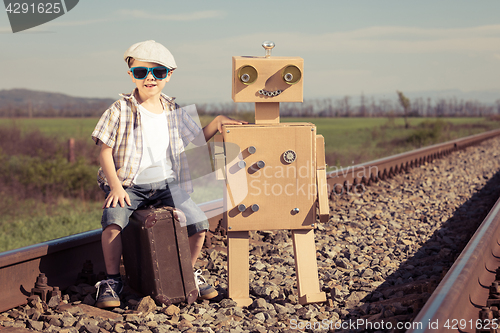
(267, 79)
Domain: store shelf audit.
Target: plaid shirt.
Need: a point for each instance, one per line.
(120, 128)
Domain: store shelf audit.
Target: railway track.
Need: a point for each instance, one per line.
(441, 206)
(465, 298)
(62, 260)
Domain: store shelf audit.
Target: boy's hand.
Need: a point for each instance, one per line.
(216, 125)
(224, 120)
(118, 195)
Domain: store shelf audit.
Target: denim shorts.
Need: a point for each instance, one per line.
(165, 192)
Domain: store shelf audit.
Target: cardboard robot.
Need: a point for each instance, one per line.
(279, 176)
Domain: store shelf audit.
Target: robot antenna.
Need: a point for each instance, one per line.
(268, 45)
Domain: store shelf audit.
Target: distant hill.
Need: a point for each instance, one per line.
(26, 103)
(31, 103)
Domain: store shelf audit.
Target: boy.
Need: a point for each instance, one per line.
(142, 137)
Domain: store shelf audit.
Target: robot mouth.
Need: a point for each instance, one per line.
(270, 93)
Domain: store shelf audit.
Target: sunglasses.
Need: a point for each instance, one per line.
(140, 73)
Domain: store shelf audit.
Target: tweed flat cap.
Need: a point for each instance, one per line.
(151, 51)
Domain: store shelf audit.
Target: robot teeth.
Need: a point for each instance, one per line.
(270, 93)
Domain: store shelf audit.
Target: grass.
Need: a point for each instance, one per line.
(350, 141)
(34, 222)
(26, 220)
(63, 128)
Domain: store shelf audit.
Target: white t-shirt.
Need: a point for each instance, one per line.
(155, 164)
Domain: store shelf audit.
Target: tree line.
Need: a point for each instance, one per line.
(346, 106)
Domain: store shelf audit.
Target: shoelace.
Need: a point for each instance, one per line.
(199, 279)
(108, 288)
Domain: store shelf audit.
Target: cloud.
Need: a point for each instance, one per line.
(396, 39)
(127, 13)
(372, 59)
(62, 23)
(32, 31)
(380, 41)
(194, 16)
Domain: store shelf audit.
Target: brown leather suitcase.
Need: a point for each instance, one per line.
(157, 258)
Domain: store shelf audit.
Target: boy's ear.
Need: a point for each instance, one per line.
(131, 75)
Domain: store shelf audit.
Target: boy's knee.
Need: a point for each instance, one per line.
(112, 228)
(199, 234)
(115, 217)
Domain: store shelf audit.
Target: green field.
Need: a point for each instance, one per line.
(64, 128)
(351, 141)
(29, 221)
(347, 140)
(26, 219)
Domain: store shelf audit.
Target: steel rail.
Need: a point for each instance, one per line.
(62, 259)
(464, 290)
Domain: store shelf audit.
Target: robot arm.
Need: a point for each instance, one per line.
(324, 208)
(219, 157)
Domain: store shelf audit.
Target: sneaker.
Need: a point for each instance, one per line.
(205, 291)
(108, 293)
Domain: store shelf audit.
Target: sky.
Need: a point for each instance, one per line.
(348, 47)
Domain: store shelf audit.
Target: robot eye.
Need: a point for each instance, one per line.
(291, 74)
(247, 74)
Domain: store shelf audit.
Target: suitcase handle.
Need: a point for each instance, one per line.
(154, 216)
